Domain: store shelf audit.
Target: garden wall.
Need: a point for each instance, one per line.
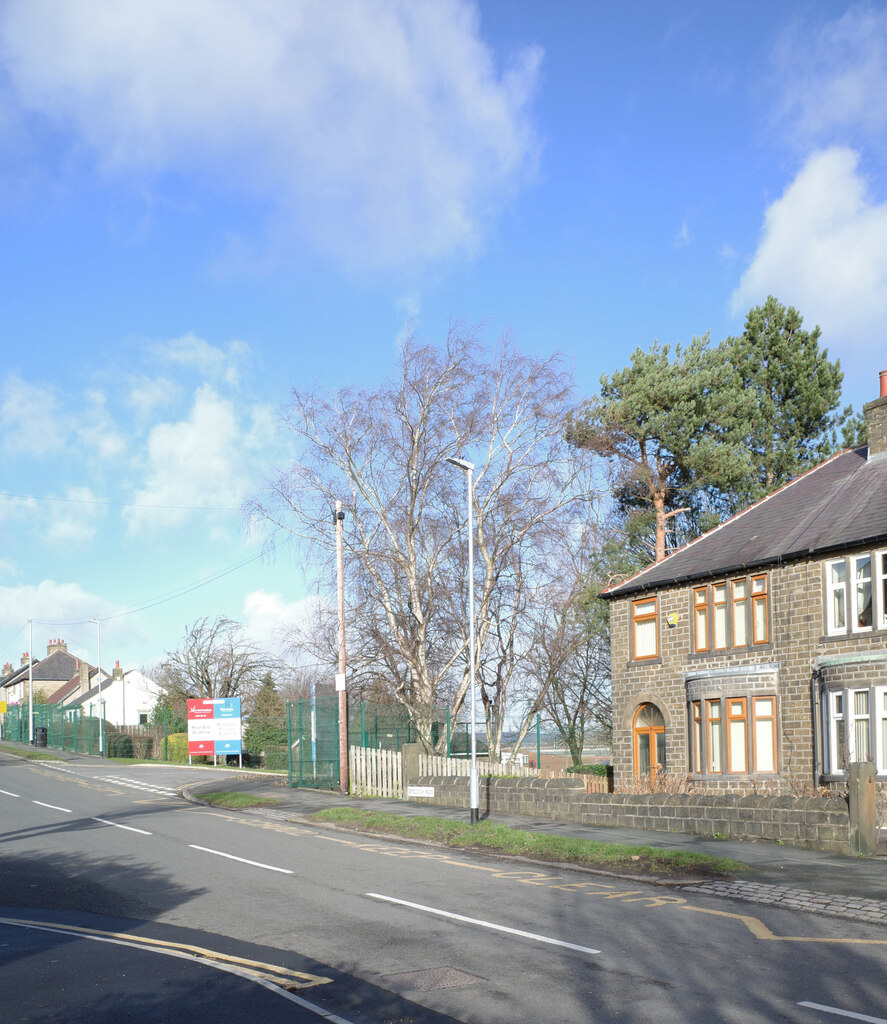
(819, 823)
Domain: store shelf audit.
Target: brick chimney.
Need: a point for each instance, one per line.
(25, 658)
(876, 420)
(7, 668)
(56, 645)
(83, 671)
(118, 671)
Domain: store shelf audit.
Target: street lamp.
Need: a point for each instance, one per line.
(473, 799)
(98, 627)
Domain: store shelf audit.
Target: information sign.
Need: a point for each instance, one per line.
(214, 726)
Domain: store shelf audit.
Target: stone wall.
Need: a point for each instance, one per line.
(818, 823)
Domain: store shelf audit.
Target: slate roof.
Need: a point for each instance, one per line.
(840, 504)
(65, 690)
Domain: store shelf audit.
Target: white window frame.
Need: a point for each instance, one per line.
(879, 583)
(879, 713)
(876, 727)
(854, 594)
(830, 591)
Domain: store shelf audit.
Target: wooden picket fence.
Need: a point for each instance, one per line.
(375, 772)
(380, 772)
(437, 764)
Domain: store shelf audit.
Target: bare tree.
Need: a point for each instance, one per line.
(383, 453)
(214, 659)
(565, 673)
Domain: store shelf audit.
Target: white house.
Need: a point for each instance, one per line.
(128, 698)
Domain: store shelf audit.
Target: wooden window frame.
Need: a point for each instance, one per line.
(742, 604)
(715, 605)
(636, 620)
(697, 745)
(703, 607)
(761, 597)
(712, 723)
(652, 732)
(756, 717)
(730, 718)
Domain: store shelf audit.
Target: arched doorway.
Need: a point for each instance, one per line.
(649, 739)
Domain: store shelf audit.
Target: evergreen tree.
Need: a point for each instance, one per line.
(787, 420)
(658, 419)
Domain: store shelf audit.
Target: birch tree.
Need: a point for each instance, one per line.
(383, 453)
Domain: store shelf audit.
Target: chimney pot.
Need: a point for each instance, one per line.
(883, 376)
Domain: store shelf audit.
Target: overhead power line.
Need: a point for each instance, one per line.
(123, 504)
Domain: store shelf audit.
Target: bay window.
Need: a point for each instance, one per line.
(733, 735)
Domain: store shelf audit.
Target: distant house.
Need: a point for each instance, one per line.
(126, 698)
(756, 656)
(58, 671)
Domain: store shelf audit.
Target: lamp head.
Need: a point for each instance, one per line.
(461, 463)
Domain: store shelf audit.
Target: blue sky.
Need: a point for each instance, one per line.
(204, 205)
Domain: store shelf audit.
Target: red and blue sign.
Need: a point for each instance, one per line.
(214, 726)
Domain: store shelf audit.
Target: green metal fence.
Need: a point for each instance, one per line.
(303, 740)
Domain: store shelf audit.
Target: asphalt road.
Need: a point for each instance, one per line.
(370, 930)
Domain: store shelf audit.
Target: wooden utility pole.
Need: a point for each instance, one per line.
(340, 675)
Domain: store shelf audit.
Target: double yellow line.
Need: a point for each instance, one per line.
(282, 977)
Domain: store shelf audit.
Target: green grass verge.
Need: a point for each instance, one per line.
(236, 800)
(638, 860)
(29, 754)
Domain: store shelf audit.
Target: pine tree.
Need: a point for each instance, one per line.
(786, 420)
(658, 420)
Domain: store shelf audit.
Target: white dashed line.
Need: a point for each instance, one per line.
(52, 807)
(129, 828)
(844, 1013)
(486, 924)
(243, 860)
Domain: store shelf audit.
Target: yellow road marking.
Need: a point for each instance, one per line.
(761, 931)
(268, 972)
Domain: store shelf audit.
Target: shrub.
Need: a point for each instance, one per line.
(177, 747)
(590, 769)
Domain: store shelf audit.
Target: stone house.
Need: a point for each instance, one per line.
(754, 659)
(58, 671)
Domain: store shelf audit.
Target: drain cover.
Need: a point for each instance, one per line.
(434, 978)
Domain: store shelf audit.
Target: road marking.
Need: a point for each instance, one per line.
(243, 860)
(485, 924)
(128, 828)
(6, 792)
(844, 1013)
(760, 931)
(254, 970)
(52, 807)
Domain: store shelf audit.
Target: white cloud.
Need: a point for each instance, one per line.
(30, 419)
(823, 249)
(383, 132)
(41, 421)
(213, 363)
(267, 616)
(75, 520)
(682, 238)
(47, 601)
(833, 83)
(148, 394)
(203, 461)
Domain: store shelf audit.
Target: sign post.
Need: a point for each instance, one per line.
(215, 727)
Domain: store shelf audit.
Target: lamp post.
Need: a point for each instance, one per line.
(31, 681)
(98, 627)
(473, 796)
